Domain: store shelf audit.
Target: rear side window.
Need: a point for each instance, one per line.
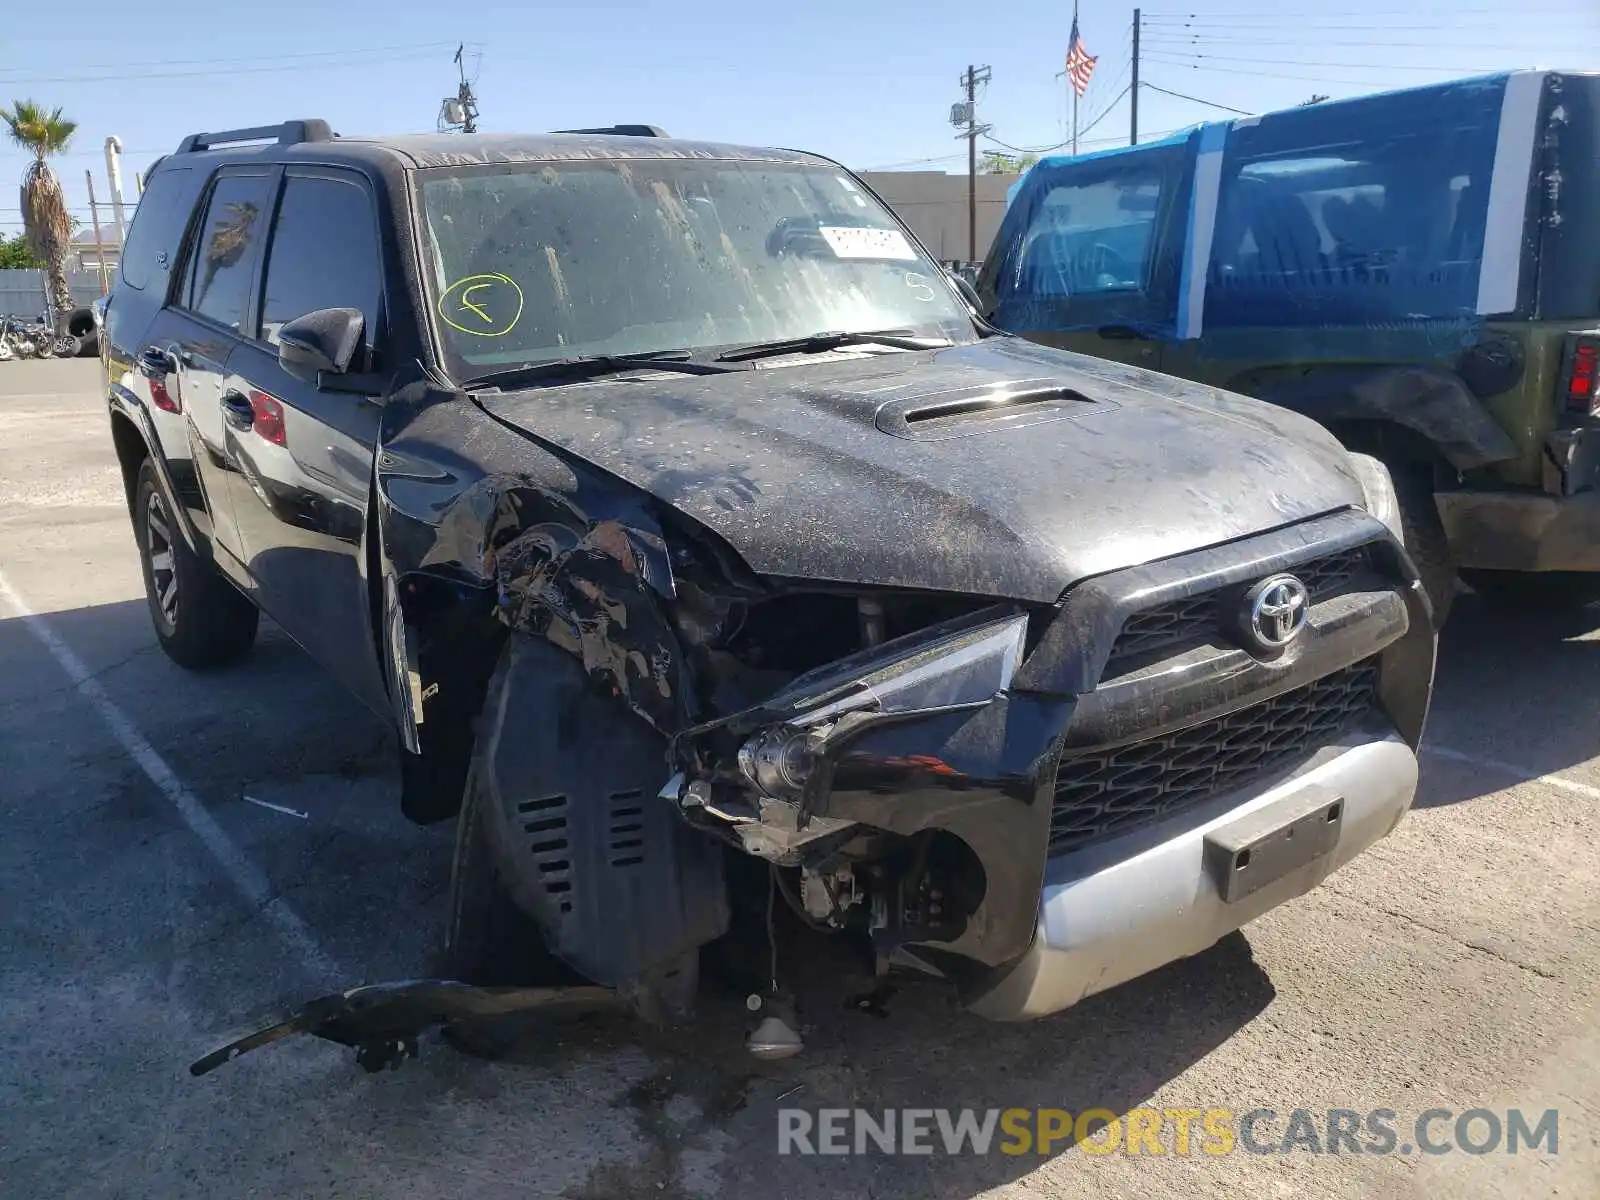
(324, 254)
(157, 227)
(223, 260)
(1365, 212)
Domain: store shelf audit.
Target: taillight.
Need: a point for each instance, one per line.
(1582, 375)
(268, 418)
(162, 397)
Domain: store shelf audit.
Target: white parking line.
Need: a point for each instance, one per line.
(251, 883)
(1527, 774)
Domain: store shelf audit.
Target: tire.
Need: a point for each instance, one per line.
(1535, 591)
(44, 345)
(488, 939)
(201, 620)
(1424, 537)
(67, 346)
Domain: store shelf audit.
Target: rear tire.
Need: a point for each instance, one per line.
(1425, 538)
(201, 620)
(1535, 591)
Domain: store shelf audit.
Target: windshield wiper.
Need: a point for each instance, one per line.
(590, 366)
(816, 343)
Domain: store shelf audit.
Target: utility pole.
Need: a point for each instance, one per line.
(970, 81)
(461, 110)
(99, 245)
(1133, 88)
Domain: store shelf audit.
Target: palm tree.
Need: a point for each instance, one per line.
(44, 205)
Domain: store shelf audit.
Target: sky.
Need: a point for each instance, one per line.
(867, 83)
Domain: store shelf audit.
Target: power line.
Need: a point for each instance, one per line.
(1339, 66)
(1106, 111)
(1085, 129)
(1301, 78)
(915, 162)
(163, 76)
(1298, 16)
(254, 58)
(1222, 39)
(1198, 100)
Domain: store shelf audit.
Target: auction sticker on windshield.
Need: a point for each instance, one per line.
(852, 241)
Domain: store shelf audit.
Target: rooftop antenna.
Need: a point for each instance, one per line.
(460, 112)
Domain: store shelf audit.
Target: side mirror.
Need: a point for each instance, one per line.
(324, 341)
(968, 292)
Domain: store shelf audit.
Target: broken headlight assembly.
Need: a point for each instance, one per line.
(761, 776)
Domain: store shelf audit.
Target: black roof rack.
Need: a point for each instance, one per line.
(290, 133)
(623, 131)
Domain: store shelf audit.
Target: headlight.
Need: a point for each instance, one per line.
(964, 661)
(1378, 488)
(780, 749)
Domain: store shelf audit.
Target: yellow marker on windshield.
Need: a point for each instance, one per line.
(482, 305)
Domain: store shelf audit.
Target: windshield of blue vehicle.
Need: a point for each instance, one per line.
(537, 262)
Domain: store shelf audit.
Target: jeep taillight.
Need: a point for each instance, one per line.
(1582, 375)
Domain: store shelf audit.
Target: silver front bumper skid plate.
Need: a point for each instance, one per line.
(1114, 911)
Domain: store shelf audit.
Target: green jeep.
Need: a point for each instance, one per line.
(1417, 270)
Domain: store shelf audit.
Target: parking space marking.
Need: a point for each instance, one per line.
(244, 874)
(1526, 774)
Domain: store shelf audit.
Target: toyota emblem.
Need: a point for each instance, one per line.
(1276, 610)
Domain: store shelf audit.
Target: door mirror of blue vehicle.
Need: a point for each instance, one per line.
(968, 292)
(321, 342)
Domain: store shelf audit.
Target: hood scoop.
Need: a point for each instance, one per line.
(986, 408)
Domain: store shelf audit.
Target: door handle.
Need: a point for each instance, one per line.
(237, 410)
(156, 364)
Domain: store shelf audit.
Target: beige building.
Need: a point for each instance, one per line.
(935, 206)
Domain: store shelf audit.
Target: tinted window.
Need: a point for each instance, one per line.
(223, 260)
(157, 226)
(1091, 242)
(324, 254)
(1091, 237)
(1363, 212)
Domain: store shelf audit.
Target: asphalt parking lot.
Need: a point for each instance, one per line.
(184, 856)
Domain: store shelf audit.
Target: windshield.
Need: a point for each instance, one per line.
(537, 262)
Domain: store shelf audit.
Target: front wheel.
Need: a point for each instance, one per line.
(200, 619)
(44, 344)
(1535, 591)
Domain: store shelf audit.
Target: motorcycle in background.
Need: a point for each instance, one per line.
(36, 339)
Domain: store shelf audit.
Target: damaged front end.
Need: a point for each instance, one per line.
(900, 791)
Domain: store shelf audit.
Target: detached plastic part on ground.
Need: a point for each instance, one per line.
(383, 1021)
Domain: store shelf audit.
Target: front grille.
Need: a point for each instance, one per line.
(1197, 618)
(1101, 794)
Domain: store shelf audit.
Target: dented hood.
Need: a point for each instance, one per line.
(999, 468)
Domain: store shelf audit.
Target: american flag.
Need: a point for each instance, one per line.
(1080, 63)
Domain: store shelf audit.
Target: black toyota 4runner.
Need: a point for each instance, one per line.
(679, 512)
